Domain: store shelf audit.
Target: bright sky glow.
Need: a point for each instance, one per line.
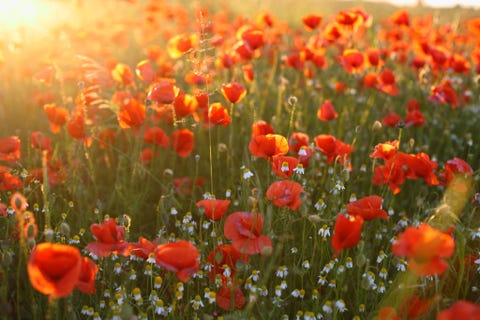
(437, 3)
(26, 13)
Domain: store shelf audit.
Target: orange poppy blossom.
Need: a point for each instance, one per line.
(244, 230)
(109, 238)
(369, 207)
(56, 115)
(123, 74)
(10, 149)
(214, 209)
(180, 257)
(225, 256)
(230, 297)
(182, 142)
(131, 113)
(86, 279)
(413, 306)
(218, 115)
(54, 269)
(425, 247)
(298, 140)
(180, 44)
(386, 82)
(267, 146)
(326, 111)
(461, 309)
(346, 232)
(285, 193)
(388, 313)
(156, 136)
(9, 182)
(233, 91)
(184, 104)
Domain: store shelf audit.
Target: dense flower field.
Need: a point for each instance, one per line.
(182, 162)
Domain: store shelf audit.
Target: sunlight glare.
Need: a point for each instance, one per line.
(19, 13)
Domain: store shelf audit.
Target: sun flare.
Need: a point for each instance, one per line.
(24, 13)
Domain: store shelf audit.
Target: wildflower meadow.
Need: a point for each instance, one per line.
(182, 160)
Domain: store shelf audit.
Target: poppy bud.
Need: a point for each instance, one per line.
(31, 243)
(292, 100)
(168, 173)
(313, 218)
(377, 125)
(252, 202)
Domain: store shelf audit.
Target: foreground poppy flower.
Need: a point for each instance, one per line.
(182, 142)
(225, 256)
(388, 313)
(283, 166)
(54, 269)
(230, 297)
(234, 92)
(425, 248)
(163, 92)
(453, 167)
(86, 279)
(214, 209)
(218, 115)
(285, 193)
(244, 229)
(351, 60)
(269, 145)
(131, 113)
(461, 309)
(368, 208)
(109, 238)
(413, 306)
(180, 257)
(346, 232)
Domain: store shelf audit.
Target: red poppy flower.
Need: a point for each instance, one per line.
(145, 72)
(163, 91)
(391, 173)
(261, 127)
(392, 119)
(248, 72)
(385, 150)
(388, 313)
(285, 193)
(298, 140)
(386, 82)
(283, 166)
(56, 115)
(218, 115)
(351, 60)
(180, 257)
(86, 279)
(311, 21)
(182, 142)
(461, 309)
(230, 297)
(40, 141)
(10, 149)
(109, 238)
(76, 126)
(214, 209)
(333, 148)
(9, 182)
(224, 256)
(244, 229)
(252, 36)
(346, 232)
(143, 248)
(370, 80)
(54, 269)
(326, 111)
(233, 91)
(453, 167)
(184, 104)
(444, 93)
(420, 166)
(123, 74)
(131, 113)
(400, 18)
(426, 248)
(413, 307)
(269, 145)
(180, 44)
(369, 207)
(156, 136)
